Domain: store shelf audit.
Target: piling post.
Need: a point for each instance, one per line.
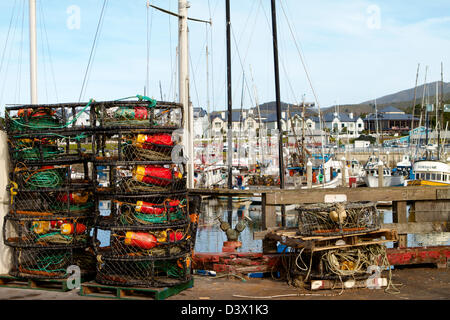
(343, 172)
(309, 174)
(380, 174)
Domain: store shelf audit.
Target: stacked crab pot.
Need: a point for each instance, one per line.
(144, 233)
(52, 201)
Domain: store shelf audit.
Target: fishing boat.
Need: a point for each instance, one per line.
(430, 173)
(389, 180)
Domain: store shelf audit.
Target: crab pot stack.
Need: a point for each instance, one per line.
(51, 212)
(344, 243)
(147, 237)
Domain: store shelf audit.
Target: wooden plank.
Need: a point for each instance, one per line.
(95, 289)
(443, 194)
(399, 215)
(410, 193)
(269, 218)
(418, 227)
(365, 243)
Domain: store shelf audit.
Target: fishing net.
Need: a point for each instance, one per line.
(146, 210)
(51, 263)
(144, 273)
(50, 148)
(137, 145)
(138, 114)
(52, 117)
(327, 219)
(47, 232)
(31, 177)
(73, 202)
(123, 178)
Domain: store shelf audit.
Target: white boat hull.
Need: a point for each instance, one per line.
(388, 181)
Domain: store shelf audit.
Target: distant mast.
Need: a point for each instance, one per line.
(33, 53)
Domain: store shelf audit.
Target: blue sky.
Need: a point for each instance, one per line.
(354, 50)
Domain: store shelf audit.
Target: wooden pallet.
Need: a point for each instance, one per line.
(36, 284)
(290, 238)
(94, 289)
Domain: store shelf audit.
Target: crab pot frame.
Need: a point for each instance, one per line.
(136, 243)
(138, 114)
(47, 232)
(60, 118)
(144, 273)
(57, 202)
(47, 263)
(315, 220)
(147, 210)
(40, 177)
(136, 145)
(138, 177)
(317, 267)
(49, 148)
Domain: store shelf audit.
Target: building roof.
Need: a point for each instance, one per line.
(199, 112)
(391, 109)
(389, 116)
(329, 117)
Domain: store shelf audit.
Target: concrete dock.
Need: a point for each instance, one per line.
(414, 283)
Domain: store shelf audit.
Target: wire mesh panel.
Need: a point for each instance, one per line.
(157, 242)
(51, 117)
(47, 232)
(58, 202)
(34, 177)
(145, 273)
(147, 210)
(324, 219)
(145, 113)
(48, 147)
(137, 145)
(51, 263)
(124, 178)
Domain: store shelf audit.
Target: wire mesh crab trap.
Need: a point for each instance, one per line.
(136, 243)
(32, 177)
(52, 263)
(47, 232)
(137, 145)
(48, 147)
(146, 272)
(327, 219)
(51, 117)
(350, 263)
(65, 202)
(146, 210)
(144, 113)
(124, 178)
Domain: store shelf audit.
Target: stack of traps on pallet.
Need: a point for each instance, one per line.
(139, 176)
(67, 160)
(337, 245)
(52, 201)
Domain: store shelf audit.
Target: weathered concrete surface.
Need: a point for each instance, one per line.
(417, 283)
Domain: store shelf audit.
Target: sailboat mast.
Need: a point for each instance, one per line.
(183, 74)
(229, 98)
(33, 53)
(277, 93)
(414, 101)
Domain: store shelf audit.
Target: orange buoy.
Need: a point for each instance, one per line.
(140, 239)
(153, 175)
(175, 235)
(147, 141)
(72, 228)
